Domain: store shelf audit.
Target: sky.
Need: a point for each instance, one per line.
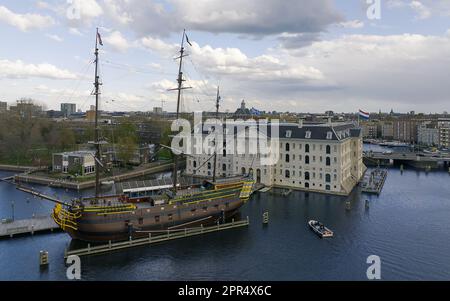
(291, 55)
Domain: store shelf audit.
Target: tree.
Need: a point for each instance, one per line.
(127, 147)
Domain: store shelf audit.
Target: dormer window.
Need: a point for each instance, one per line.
(308, 135)
(288, 134)
(329, 135)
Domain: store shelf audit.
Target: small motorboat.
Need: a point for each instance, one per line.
(320, 229)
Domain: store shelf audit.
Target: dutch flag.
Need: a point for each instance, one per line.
(364, 115)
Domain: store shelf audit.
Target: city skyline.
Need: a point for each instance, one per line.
(320, 56)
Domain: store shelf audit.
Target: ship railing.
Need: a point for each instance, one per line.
(65, 219)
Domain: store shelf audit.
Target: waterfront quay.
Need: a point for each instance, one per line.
(67, 184)
(11, 228)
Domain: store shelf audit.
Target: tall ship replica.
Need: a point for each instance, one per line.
(120, 217)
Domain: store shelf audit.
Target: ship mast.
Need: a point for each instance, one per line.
(96, 132)
(216, 129)
(180, 81)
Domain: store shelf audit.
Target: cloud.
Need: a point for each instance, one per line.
(352, 24)
(19, 69)
(298, 40)
(401, 71)
(421, 10)
(251, 17)
(159, 46)
(54, 37)
(25, 22)
(75, 32)
(117, 41)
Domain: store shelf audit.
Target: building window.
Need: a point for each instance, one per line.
(307, 177)
(288, 147)
(328, 163)
(288, 134)
(308, 135)
(328, 178)
(287, 174)
(306, 159)
(209, 165)
(287, 158)
(306, 148)
(328, 149)
(195, 164)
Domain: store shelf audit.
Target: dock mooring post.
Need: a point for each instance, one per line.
(266, 217)
(43, 258)
(348, 205)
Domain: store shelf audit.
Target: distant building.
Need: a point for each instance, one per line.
(370, 130)
(26, 109)
(90, 115)
(68, 109)
(387, 130)
(444, 137)
(242, 110)
(3, 106)
(444, 132)
(158, 110)
(405, 130)
(428, 134)
(55, 114)
(78, 162)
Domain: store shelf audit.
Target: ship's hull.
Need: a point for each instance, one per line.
(100, 236)
(144, 220)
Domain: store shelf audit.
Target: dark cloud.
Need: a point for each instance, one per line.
(251, 17)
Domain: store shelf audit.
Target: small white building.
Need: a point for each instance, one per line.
(80, 162)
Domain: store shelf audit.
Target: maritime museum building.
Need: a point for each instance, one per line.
(321, 157)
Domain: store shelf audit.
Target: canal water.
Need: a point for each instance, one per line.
(407, 226)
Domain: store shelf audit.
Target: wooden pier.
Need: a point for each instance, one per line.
(374, 182)
(27, 226)
(153, 238)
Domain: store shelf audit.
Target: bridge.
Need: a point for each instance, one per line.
(417, 159)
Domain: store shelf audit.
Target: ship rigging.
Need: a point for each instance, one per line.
(121, 217)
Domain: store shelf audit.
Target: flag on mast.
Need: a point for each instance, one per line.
(99, 38)
(187, 40)
(364, 115)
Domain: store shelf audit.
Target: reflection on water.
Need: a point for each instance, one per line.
(407, 226)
